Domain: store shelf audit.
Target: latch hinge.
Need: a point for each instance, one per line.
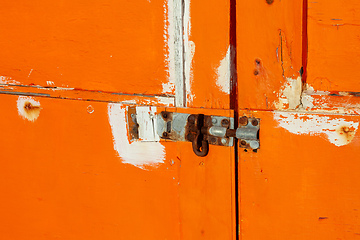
(201, 130)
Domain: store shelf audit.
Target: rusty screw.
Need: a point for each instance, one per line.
(254, 122)
(269, 1)
(243, 143)
(243, 121)
(191, 118)
(165, 115)
(165, 134)
(256, 72)
(225, 122)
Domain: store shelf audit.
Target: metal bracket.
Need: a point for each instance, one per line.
(199, 129)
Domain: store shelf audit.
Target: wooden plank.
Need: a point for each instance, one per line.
(69, 171)
(209, 54)
(303, 181)
(333, 32)
(269, 52)
(115, 46)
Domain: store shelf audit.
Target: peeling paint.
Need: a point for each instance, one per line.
(338, 131)
(28, 108)
(224, 73)
(290, 94)
(139, 154)
(8, 80)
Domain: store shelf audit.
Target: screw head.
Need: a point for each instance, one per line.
(254, 122)
(165, 134)
(165, 115)
(191, 118)
(224, 141)
(243, 142)
(225, 122)
(256, 72)
(243, 121)
(214, 120)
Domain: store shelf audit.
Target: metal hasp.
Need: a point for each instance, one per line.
(248, 132)
(199, 129)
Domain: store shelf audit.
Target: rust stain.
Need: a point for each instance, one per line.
(346, 133)
(28, 108)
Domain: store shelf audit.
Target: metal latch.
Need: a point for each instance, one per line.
(203, 130)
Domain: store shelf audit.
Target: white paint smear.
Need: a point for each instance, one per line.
(224, 73)
(338, 131)
(139, 154)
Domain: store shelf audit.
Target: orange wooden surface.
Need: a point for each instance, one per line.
(63, 179)
(116, 46)
(300, 186)
(269, 50)
(213, 55)
(334, 45)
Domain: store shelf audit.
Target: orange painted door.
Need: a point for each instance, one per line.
(69, 71)
(296, 64)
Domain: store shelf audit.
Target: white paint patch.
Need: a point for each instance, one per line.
(224, 73)
(50, 83)
(290, 94)
(139, 154)
(167, 101)
(8, 80)
(145, 117)
(338, 131)
(28, 108)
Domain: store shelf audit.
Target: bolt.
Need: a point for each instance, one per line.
(256, 72)
(269, 1)
(254, 144)
(214, 120)
(224, 141)
(165, 134)
(243, 121)
(254, 122)
(225, 122)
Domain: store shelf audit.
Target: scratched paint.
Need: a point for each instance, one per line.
(224, 72)
(338, 131)
(139, 154)
(28, 108)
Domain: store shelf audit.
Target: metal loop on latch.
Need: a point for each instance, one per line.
(200, 150)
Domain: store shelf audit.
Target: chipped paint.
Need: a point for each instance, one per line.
(338, 131)
(50, 83)
(290, 94)
(139, 154)
(28, 108)
(8, 80)
(224, 73)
